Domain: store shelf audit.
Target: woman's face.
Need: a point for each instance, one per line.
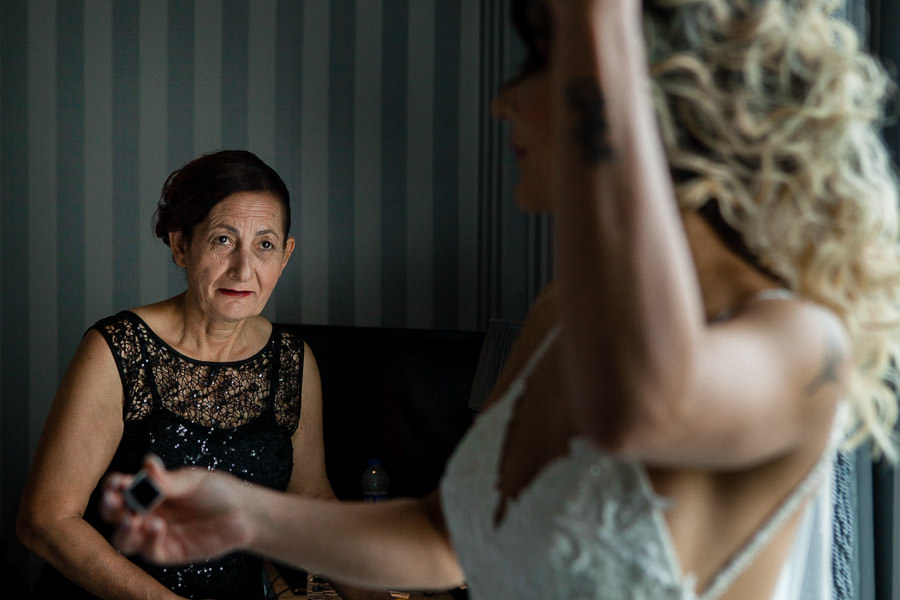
(235, 256)
(525, 103)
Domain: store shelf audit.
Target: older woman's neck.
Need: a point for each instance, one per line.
(217, 340)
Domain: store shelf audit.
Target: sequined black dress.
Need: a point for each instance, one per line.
(235, 416)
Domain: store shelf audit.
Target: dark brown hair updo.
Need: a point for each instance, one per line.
(190, 192)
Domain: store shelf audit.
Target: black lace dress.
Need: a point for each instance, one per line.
(235, 416)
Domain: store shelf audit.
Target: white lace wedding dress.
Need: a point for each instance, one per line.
(588, 526)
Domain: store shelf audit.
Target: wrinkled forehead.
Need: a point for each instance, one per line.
(258, 207)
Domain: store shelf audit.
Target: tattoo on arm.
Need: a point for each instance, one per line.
(830, 372)
(591, 131)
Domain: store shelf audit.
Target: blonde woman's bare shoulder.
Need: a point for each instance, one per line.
(811, 342)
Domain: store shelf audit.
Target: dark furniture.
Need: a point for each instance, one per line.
(400, 395)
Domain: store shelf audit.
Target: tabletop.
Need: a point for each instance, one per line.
(294, 584)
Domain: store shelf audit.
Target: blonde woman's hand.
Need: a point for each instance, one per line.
(197, 519)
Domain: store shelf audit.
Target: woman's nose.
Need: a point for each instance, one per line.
(240, 265)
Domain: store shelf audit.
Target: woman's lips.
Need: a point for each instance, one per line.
(234, 293)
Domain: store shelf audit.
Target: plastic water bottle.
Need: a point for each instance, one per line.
(375, 481)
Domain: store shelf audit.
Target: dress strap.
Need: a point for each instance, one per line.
(517, 385)
(815, 477)
(765, 294)
(772, 294)
(539, 352)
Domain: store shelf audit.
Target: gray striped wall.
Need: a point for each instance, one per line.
(373, 111)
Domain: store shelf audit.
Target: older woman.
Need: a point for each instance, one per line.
(197, 379)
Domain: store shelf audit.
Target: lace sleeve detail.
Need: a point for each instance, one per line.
(122, 337)
(611, 535)
(289, 380)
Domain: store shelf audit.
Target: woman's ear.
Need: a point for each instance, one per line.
(179, 244)
(289, 245)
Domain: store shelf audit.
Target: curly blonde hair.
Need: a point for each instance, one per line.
(772, 109)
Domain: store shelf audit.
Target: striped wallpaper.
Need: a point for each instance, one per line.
(373, 111)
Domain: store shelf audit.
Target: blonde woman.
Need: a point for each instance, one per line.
(724, 313)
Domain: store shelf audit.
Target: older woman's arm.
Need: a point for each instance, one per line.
(79, 439)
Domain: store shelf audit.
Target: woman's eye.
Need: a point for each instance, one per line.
(222, 239)
(267, 245)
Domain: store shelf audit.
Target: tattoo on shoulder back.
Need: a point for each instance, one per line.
(591, 131)
(831, 366)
